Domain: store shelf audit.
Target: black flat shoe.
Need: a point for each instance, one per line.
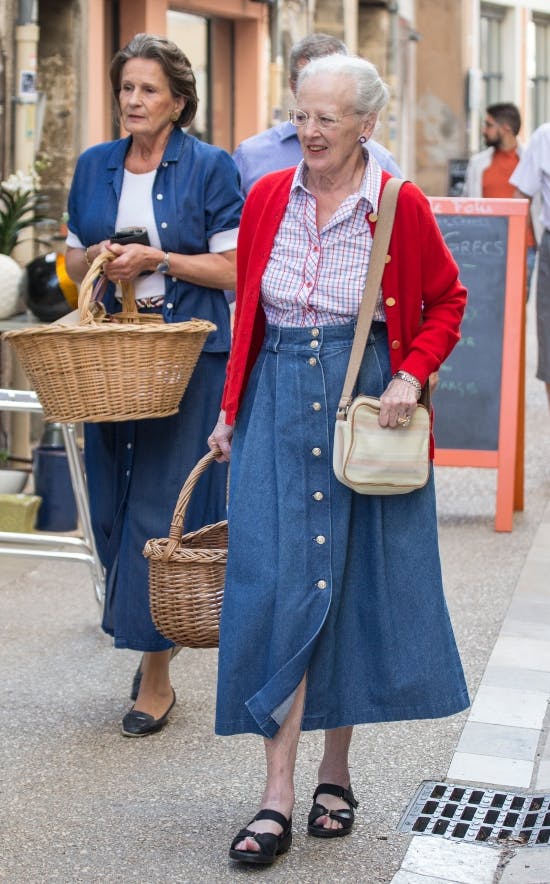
(344, 817)
(271, 846)
(136, 681)
(141, 724)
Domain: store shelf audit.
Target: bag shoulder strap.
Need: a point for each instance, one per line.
(377, 262)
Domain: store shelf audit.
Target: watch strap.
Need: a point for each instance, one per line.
(164, 265)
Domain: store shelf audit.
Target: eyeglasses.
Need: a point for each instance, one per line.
(324, 121)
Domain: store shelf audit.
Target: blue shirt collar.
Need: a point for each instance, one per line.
(286, 130)
(171, 154)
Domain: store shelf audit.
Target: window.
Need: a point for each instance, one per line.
(208, 41)
(191, 34)
(492, 18)
(540, 77)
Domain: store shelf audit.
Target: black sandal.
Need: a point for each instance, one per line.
(342, 816)
(271, 846)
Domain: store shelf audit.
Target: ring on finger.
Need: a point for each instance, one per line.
(404, 420)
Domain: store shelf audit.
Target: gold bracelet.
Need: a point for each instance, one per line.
(86, 257)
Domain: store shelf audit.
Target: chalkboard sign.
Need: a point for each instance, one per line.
(472, 428)
(468, 396)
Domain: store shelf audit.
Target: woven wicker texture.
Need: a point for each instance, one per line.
(110, 368)
(187, 574)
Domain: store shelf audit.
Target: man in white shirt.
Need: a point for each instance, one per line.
(532, 176)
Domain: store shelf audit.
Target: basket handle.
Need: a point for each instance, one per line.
(92, 290)
(176, 527)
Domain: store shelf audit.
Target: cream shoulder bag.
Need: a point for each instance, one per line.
(369, 458)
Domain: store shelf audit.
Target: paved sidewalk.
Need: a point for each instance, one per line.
(505, 741)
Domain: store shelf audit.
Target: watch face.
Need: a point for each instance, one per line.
(163, 267)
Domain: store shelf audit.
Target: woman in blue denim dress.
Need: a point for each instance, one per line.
(334, 613)
(186, 194)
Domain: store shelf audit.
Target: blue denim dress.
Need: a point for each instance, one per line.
(343, 587)
(135, 471)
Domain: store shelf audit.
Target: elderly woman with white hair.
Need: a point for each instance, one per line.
(334, 613)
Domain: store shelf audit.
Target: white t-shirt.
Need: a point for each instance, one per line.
(135, 207)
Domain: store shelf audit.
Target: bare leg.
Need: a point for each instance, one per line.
(155, 692)
(334, 768)
(280, 753)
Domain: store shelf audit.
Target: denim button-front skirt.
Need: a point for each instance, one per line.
(321, 581)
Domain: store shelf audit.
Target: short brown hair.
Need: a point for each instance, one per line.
(173, 62)
(506, 114)
(313, 46)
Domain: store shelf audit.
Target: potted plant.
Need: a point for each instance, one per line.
(20, 205)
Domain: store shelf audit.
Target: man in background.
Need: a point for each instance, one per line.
(488, 172)
(278, 147)
(532, 177)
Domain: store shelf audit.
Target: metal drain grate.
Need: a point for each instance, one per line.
(468, 813)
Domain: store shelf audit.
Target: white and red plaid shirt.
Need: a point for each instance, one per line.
(318, 278)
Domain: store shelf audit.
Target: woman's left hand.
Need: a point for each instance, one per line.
(130, 261)
(397, 404)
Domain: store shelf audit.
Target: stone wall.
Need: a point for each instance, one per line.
(8, 9)
(57, 76)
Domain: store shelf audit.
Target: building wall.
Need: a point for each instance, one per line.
(58, 49)
(440, 112)
(7, 22)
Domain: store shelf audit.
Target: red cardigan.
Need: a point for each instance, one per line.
(423, 297)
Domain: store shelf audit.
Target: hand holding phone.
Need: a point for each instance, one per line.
(128, 235)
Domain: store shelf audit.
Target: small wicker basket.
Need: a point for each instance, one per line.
(109, 368)
(187, 574)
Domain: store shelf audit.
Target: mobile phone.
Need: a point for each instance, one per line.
(128, 235)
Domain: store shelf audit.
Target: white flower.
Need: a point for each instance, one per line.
(20, 182)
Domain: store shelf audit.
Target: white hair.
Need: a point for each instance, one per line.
(372, 93)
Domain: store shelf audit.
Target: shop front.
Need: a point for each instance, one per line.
(227, 42)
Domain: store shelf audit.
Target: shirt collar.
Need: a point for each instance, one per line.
(370, 183)
(172, 150)
(286, 130)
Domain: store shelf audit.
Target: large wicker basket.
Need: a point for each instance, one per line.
(187, 574)
(109, 368)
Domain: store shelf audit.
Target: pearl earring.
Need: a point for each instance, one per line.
(362, 139)
(174, 116)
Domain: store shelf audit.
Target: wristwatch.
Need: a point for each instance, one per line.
(410, 379)
(164, 265)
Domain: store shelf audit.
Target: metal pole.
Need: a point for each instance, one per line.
(24, 154)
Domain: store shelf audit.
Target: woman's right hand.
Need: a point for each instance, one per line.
(220, 438)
